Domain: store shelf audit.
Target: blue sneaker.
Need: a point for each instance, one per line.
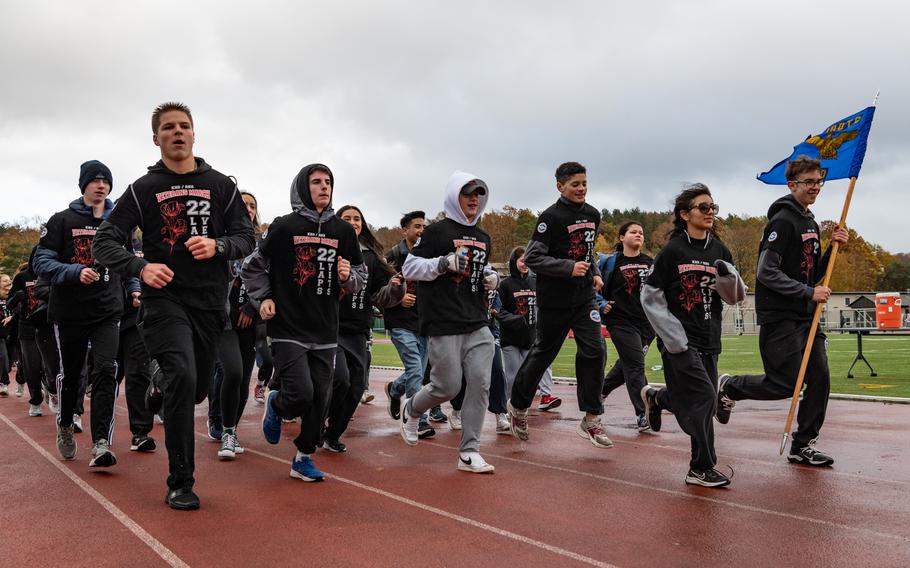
(271, 422)
(305, 469)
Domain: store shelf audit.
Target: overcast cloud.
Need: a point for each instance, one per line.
(394, 96)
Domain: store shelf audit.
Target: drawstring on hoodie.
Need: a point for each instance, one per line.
(707, 239)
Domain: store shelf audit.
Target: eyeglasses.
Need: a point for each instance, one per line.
(705, 207)
(810, 182)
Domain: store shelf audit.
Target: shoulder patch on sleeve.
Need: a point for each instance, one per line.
(772, 237)
(595, 315)
(43, 231)
(542, 228)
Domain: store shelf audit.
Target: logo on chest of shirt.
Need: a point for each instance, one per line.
(810, 250)
(697, 279)
(632, 275)
(314, 258)
(582, 235)
(185, 212)
(82, 246)
(474, 254)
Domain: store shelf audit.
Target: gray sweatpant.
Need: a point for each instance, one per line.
(453, 356)
(512, 358)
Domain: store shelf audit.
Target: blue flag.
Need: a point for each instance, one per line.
(841, 148)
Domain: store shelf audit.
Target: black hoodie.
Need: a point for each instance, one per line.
(296, 266)
(170, 208)
(518, 316)
(32, 310)
(790, 263)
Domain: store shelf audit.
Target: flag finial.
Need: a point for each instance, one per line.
(875, 100)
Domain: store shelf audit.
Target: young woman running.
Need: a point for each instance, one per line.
(682, 299)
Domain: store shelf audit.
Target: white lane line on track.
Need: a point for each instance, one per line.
(451, 516)
(157, 547)
(686, 495)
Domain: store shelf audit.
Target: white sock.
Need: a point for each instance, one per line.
(300, 456)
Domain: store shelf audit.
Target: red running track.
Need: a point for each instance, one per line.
(553, 501)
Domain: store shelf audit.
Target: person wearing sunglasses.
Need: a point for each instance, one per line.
(682, 299)
(790, 265)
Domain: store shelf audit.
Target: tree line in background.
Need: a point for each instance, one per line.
(861, 265)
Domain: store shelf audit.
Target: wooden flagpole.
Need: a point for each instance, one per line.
(815, 319)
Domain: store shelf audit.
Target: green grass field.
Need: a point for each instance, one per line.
(889, 355)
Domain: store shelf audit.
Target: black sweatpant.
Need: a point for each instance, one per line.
(552, 327)
(264, 353)
(781, 345)
(348, 383)
(305, 376)
(237, 354)
(184, 342)
(631, 346)
(4, 363)
(691, 395)
(133, 363)
(73, 340)
(50, 355)
(497, 402)
(30, 369)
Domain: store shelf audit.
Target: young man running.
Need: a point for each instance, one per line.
(790, 265)
(307, 259)
(451, 266)
(402, 323)
(561, 253)
(86, 303)
(193, 222)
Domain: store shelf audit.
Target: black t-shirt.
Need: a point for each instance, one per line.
(400, 317)
(624, 290)
(685, 272)
(356, 311)
(70, 234)
(170, 208)
(303, 273)
(569, 232)
(32, 310)
(454, 304)
(519, 298)
(794, 236)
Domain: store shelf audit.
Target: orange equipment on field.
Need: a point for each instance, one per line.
(888, 310)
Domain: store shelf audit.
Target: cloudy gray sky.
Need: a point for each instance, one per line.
(394, 96)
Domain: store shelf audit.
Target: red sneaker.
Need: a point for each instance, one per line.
(259, 394)
(549, 402)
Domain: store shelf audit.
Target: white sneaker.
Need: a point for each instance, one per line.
(34, 410)
(502, 424)
(53, 402)
(20, 390)
(367, 397)
(77, 423)
(473, 462)
(4, 390)
(455, 420)
(408, 425)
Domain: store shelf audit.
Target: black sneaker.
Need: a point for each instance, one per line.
(215, 429)
(182, 500)
(437, 415)
(652, 408)
(336, 446)
(142, 443)
(725, 404)
(394, 403)
(707, 478)
(809, 456)
(424, 430)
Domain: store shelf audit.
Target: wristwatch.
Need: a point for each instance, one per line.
(219, 246)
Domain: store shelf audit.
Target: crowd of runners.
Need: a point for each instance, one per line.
(176, 292)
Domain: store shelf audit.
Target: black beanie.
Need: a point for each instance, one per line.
(91, 170)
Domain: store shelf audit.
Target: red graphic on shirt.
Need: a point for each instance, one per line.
(578, 246)
(521, 306)
(82, 251)
(630, 280)
(808, 263)
(691, 294)
(342, 293)
(174, 227)
(31, 300)
(305, 267)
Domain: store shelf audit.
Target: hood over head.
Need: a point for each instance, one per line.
(513, 263)
(452, 208)
(788, 202)
(302, 202)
